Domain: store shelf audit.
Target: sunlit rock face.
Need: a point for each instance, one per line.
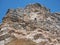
(32, 25)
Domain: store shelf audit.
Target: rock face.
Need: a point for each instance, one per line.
(33, 25)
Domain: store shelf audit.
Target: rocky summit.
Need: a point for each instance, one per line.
(32, 25)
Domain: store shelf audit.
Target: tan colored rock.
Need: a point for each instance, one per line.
(21, 42)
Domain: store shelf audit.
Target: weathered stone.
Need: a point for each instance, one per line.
(33, 25)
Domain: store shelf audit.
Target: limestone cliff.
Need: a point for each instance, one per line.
(32, 25)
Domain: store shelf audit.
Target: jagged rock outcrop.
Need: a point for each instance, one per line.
(32, 25)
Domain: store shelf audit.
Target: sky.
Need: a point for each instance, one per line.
(54, 5)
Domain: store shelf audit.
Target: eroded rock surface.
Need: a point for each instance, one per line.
(33, 25)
